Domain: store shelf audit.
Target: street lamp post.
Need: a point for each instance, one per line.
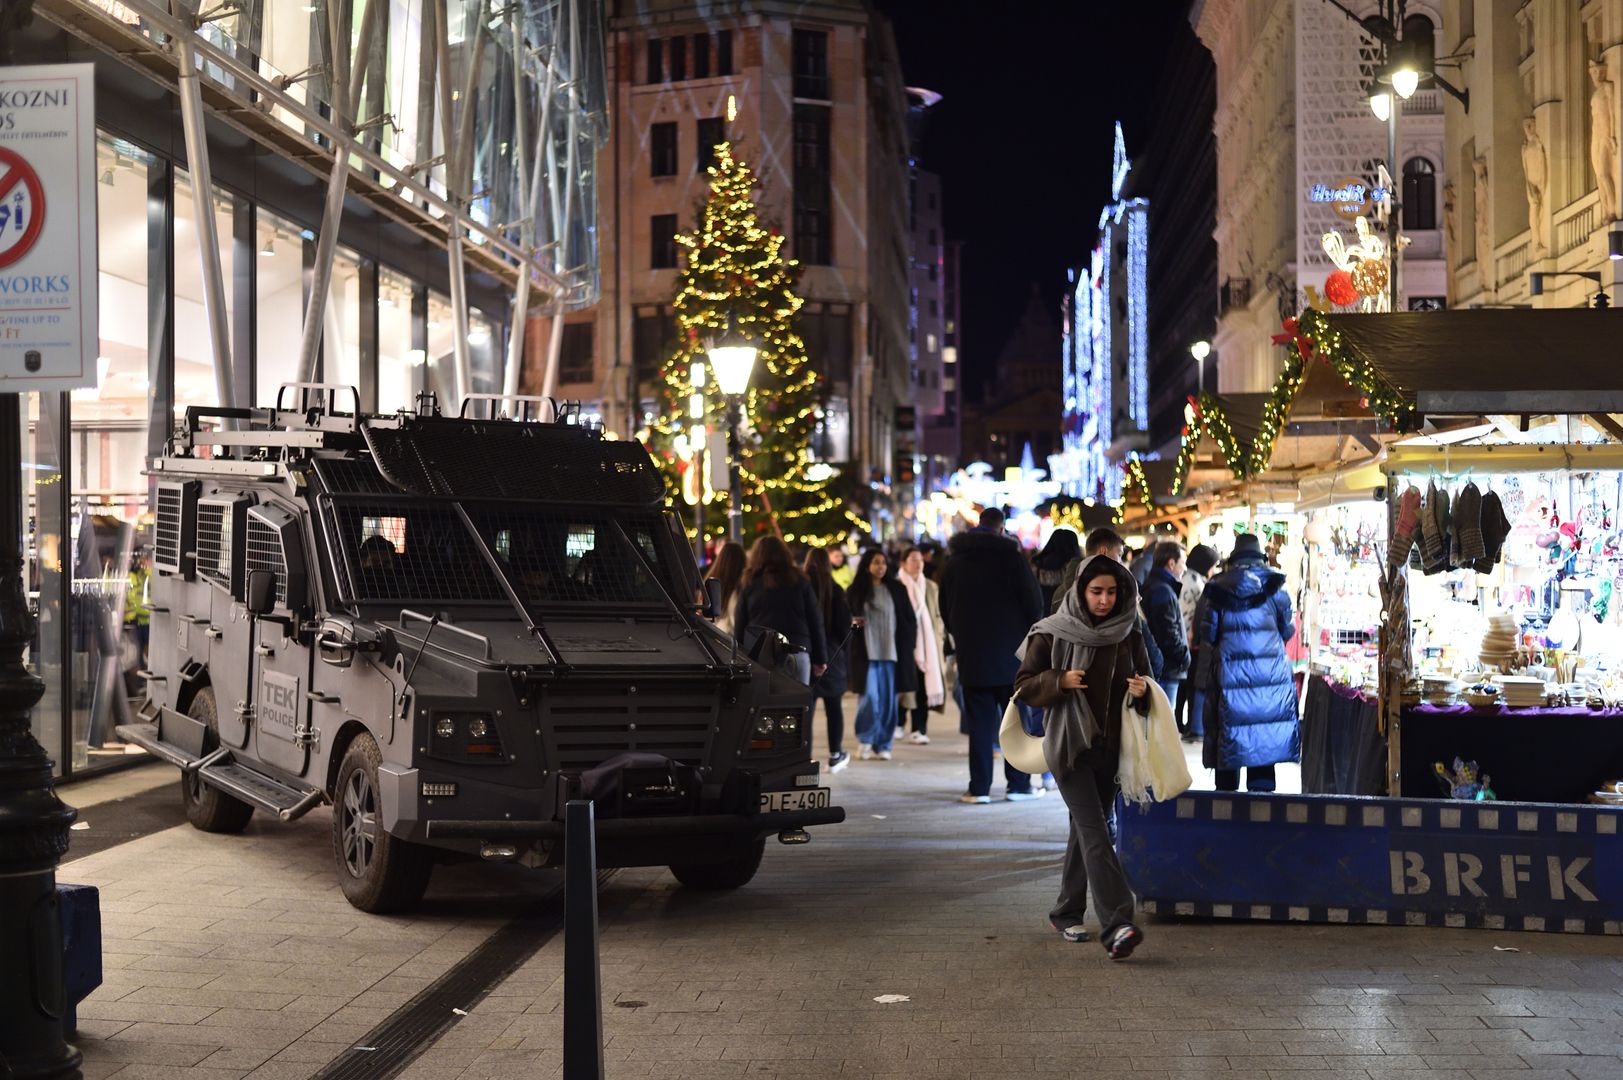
(1200, 350)
(733, 358)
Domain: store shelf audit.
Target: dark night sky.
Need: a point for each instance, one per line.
(1031, 90)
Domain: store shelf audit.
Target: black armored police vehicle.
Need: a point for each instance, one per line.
(448, 627)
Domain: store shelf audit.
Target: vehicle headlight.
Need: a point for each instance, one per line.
(478, 727)
(765, 725)
(789, 725)
(444, 727)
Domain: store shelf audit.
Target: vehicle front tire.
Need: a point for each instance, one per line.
(378, 872)
(209, 808)
(733, 873)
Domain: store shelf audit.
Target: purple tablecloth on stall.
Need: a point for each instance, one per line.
(1530, 755)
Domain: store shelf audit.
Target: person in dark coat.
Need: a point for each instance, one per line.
(1163, 615)
(829, 687)
(1053, 560)
(776, 596)
(888, 630)
(989, 600)
(1244, 690)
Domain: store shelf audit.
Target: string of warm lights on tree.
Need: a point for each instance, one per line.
(735, 272)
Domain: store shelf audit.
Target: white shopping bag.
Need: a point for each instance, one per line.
(1152, 767)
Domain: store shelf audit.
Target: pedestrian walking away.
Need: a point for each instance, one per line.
(728, 568)
(1083, 666)
(989, 601)
(888, 632)
(776, 597)
(1244, 692)
(1163, 614)
(1063, 548)
(1198, 567)
(829, 687)
(928, 658)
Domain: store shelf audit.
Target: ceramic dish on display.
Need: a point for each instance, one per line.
(1520, 691)
(1481, 695)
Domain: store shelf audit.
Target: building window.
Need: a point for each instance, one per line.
(814, 240)
(656, 61)
(575, 353)
(724, 52)
(935, 308)
(711, 130)
(662, 149)
(662, 241)
(679, 59)
(701, 56)
(1419, 195)
(811, 64)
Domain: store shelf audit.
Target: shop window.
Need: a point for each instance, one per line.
(195, 382)
(662, 149)
(400, 357)
(441, 375)
(662, 242)
(279, 296)
(1419, 195)
(485, 356)
(575, 353)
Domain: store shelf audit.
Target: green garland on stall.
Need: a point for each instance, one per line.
(1316, 335)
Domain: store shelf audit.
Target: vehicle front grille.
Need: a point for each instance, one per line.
(584, 726)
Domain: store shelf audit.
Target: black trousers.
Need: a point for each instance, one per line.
(1257, 778)
(834, 713)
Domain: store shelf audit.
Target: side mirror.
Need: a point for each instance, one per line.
(712, 598)
(261, 592)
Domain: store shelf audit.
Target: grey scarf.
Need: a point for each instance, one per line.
(1070, 727)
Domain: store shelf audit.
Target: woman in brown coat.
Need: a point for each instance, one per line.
(1083, 666)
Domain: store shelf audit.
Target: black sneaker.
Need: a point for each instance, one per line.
(1120, 942)
(838, 760)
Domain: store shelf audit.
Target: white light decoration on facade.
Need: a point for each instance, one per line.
(1138, 332)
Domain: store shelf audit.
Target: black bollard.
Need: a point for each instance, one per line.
(33, 821)
(583, 996)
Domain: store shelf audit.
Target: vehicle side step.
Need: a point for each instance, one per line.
(175, 748)
(286, 801)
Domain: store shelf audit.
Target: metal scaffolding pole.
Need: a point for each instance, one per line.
(208, 240)
(458, 267)
(530, 235)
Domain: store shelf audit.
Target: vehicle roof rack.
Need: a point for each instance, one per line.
(529, 407)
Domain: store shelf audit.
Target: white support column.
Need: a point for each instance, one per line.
(521, 139)
(540, 171)
(332, 210)
(458, 268)
(208, 240)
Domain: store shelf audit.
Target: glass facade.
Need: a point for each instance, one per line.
(526, 94)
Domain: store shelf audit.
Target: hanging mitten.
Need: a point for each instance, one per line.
(1407, 529)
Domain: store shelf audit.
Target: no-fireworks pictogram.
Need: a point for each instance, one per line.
(22, 207)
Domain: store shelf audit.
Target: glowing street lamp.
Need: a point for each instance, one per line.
(732, 358)
(1200, 350)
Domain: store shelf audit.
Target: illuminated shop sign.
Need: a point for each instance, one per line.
(1349, 198)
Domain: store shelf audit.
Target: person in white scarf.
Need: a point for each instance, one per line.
(928, 654)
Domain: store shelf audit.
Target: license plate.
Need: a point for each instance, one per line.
(805, 799)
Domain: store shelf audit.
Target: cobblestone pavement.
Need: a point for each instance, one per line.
(237, 956)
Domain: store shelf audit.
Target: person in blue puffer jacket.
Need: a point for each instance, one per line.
(1243, 686)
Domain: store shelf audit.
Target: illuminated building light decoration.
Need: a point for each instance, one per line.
(735, 270)
(1138, 322)
(1119, 165)
(1365, 265)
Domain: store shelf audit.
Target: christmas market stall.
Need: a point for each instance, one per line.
(1497, 555)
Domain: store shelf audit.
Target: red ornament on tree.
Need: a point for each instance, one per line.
(1339, 288)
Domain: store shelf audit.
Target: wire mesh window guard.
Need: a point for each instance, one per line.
(265, 553)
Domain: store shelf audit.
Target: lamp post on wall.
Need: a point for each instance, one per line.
(33, 821)
(733, 358)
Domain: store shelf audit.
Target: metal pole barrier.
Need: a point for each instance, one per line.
(33, 821)
(735, 483)
(583, 997)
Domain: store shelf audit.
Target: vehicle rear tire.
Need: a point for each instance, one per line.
(208, 808)
(733, 873)
(378, 872)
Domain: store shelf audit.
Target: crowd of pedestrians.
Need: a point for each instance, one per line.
(1068, 637)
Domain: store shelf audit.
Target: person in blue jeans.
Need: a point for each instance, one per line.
(880, 604)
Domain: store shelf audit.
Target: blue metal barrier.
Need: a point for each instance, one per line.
(81, 947)
(1414, 862)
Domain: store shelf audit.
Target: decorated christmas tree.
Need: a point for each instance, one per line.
(735, 275)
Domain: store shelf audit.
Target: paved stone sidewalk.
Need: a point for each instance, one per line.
(237, 956)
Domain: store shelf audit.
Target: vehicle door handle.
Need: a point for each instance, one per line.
(264, 650)
(214, 633)
(319, 698)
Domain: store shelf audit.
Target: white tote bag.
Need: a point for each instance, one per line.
(1152, 767)
(1020, 748)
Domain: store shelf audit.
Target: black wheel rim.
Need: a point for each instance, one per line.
(359, 823)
